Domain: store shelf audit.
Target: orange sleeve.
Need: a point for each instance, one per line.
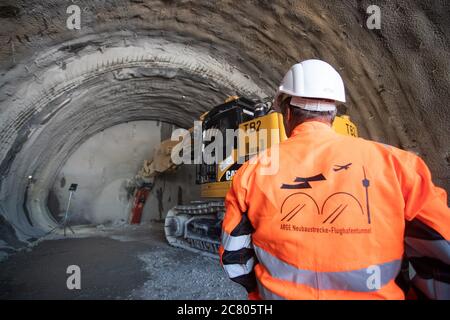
(427, 229)
(236, 251)
(235, 202)
(423, 200)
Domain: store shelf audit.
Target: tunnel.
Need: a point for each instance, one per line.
(136, 69)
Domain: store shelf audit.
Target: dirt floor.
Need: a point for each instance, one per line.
(116, 263)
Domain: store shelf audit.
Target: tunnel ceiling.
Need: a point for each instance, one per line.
(172, 60)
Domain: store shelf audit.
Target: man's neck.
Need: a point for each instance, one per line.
(322, 120)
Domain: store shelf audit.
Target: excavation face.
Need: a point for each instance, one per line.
(149, 63)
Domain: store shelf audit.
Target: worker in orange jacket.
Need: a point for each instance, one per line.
(341, 214)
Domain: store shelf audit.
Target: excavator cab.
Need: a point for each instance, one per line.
(226, 116)
(248, 117)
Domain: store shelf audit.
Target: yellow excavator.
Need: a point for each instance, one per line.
(197, 226)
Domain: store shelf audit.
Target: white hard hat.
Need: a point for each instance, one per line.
(313, 79)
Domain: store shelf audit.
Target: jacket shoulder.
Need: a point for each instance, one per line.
(385, 149)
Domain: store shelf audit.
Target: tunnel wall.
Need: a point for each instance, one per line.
(61, 86)
(102, 90)
(101, 167)
(104, 167)
(171, 189)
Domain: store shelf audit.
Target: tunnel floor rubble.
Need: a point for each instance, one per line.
(117, 262)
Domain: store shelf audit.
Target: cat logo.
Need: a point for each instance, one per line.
(230, 174)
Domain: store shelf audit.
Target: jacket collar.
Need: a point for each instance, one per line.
(311, 126)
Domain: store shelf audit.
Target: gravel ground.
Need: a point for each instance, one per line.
(116, 263)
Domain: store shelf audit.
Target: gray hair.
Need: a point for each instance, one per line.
(301, 115)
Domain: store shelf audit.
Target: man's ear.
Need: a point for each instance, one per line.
(288, 114)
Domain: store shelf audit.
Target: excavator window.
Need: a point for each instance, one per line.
(223, 117)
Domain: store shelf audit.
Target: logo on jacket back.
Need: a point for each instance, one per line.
(301, 212)
(338, 168)
(304, 182)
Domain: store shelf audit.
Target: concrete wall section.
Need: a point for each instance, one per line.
(103, 168)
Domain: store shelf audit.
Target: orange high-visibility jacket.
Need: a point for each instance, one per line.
(336, 221)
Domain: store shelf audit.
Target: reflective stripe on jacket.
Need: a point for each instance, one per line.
(336, 221)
